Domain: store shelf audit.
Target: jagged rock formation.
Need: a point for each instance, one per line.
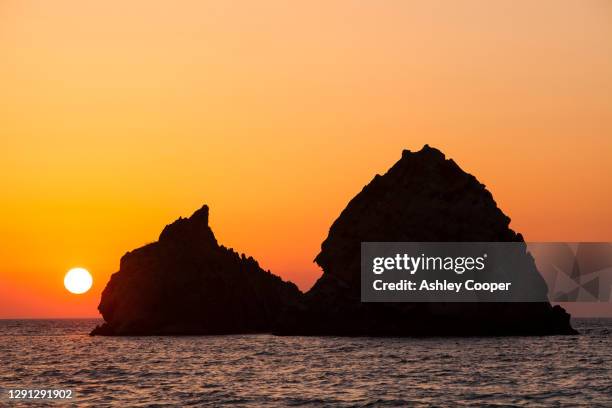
(186, 283)
(424, 197)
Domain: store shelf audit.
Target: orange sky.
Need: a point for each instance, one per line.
(116, 119)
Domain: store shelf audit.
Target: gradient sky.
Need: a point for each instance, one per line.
(118, 117)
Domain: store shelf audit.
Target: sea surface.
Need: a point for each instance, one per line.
(265, 370)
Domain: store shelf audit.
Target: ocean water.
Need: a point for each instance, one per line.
(265, 370)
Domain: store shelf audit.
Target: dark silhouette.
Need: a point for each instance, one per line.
(188, 284)
(422, 198)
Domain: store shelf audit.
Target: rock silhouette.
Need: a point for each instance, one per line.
(186, 283)
(423, 198)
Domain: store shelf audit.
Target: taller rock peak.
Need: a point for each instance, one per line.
(426, 150)
(423, 197)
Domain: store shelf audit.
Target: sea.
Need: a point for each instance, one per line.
(266, 370)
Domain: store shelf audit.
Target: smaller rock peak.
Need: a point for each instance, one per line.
(200, 215)
(194, 228)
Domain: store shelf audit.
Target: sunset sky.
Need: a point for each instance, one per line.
(118, 117)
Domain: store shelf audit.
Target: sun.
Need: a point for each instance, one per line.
(78, 280)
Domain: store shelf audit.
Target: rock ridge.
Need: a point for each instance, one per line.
(186, 283)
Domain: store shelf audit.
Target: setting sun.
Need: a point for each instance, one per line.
(78, 280)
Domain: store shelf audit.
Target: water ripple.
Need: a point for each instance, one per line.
(264, 370)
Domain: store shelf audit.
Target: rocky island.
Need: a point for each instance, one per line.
(188, 284)
(424, 197)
